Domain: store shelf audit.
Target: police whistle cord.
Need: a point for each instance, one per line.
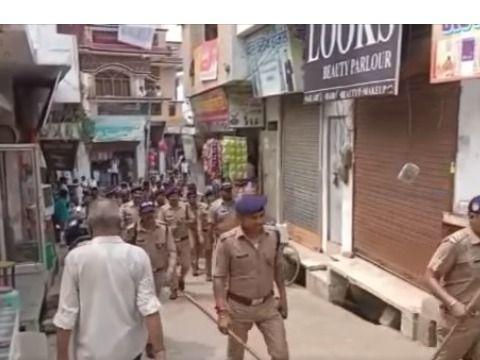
(230, 332)
(472, 302)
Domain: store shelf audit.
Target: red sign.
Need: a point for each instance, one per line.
(207, 54)
(211, 106)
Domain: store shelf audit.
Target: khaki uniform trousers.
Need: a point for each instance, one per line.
(268, 320)
(208, 246)
(464, 343)
(184, 255)
(160, 279)
(197, 248)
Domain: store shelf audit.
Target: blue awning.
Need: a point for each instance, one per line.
(110, 128)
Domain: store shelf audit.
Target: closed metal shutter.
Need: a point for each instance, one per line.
(397, 225)
(300, 163)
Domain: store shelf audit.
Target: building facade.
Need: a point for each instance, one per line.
(128, 97)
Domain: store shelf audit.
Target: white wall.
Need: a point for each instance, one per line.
(51, 48)
(83, 161)
(467, 179)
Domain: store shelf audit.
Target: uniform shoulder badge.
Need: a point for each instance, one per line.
(458, 237)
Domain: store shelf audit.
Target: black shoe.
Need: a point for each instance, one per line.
(196, 273)
(209, 278)
(181, 285)
(173, 295)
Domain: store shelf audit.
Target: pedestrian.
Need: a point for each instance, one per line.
(248, 261)
(107, 307)
(61, 213)
(94, 193)
(223, 216)
(453, 276)
(196, 240)
(93, 182)
(77, 193)
(156, 239)
(184, 168)
(175, 215)
(129, 210)
(206, 232)
(114, 164)
(83, 182)
(62, 184)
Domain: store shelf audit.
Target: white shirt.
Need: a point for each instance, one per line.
(184, 167)
(107, 288)
(114, 167)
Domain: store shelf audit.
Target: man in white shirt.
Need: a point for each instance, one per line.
(107, 300)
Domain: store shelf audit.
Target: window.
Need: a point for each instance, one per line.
(211, 31)
(157, 108)
(155, 71)
(112, 83)
(172, 109)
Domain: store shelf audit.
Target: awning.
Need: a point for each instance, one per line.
(119, 128)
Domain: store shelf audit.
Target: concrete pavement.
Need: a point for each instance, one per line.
(316, 330)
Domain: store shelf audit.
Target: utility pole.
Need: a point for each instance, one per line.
(147, 140)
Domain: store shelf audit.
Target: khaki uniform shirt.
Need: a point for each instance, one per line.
(204, 215)
(129, 213)
(457, 261)
(176, 219)
(222, 216)
(248, 269)
(158, 243)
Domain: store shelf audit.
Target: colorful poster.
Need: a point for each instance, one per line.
(455, 52)
(211, 106)
(207, 56)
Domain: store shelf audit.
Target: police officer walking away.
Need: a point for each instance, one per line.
(247, 264)
(175, 214)
(156, 239)
(453, 276)
(129, 210)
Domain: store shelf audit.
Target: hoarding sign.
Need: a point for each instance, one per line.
(351, 60)
(455, 52)
(207, 56)
(245, 111)
(211, 106)
(272, 54)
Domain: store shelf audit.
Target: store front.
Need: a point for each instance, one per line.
(118, 147)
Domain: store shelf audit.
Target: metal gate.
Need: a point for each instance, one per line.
(301, 178)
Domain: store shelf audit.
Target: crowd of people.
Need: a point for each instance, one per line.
(140, 239)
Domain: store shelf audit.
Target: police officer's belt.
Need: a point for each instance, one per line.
(182, 239)
(249, 302)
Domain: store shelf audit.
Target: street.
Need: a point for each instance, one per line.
(332, 333)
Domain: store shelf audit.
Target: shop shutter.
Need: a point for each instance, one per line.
(397, 225)
(300, 164)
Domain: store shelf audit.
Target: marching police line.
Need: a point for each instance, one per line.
(242, 257)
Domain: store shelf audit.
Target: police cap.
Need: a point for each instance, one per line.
(249, 204)
(474, 205)
(147, 207)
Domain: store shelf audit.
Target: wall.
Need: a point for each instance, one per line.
(230, 55)
(6, 90)
(467, 181)
(167, 81)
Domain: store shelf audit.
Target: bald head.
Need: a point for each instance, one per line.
(104, 217)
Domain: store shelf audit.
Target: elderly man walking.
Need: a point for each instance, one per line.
(107, 296)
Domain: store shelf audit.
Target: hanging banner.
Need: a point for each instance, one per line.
(59, 155)
(455, 52)
(206, 55)
(274, 61)
(351, 60)
(137, 35)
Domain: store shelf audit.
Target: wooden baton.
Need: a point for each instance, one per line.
(452, 330)
(230, 332)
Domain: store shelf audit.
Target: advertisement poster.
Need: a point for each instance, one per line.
(211, 111)
(245, 111)
(455, 52)
(272, 54)
(207, 56)
(346, 61)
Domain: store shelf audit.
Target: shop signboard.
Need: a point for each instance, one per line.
(351, 60)
(206, 55)
(59, 155)
(245, 111)
(455, 52)
(211, 106)
(119, 128)
(274, 61)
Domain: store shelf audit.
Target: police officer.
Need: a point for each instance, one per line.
(206, 233)
(223, 211)
(247, 264)
(156, 239)
(129, 210)
(453, 276)
(196, 240)
(175, 215)
(159, 197)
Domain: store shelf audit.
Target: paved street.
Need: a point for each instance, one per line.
(316, 330)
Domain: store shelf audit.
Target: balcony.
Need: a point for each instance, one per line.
(160, 109)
